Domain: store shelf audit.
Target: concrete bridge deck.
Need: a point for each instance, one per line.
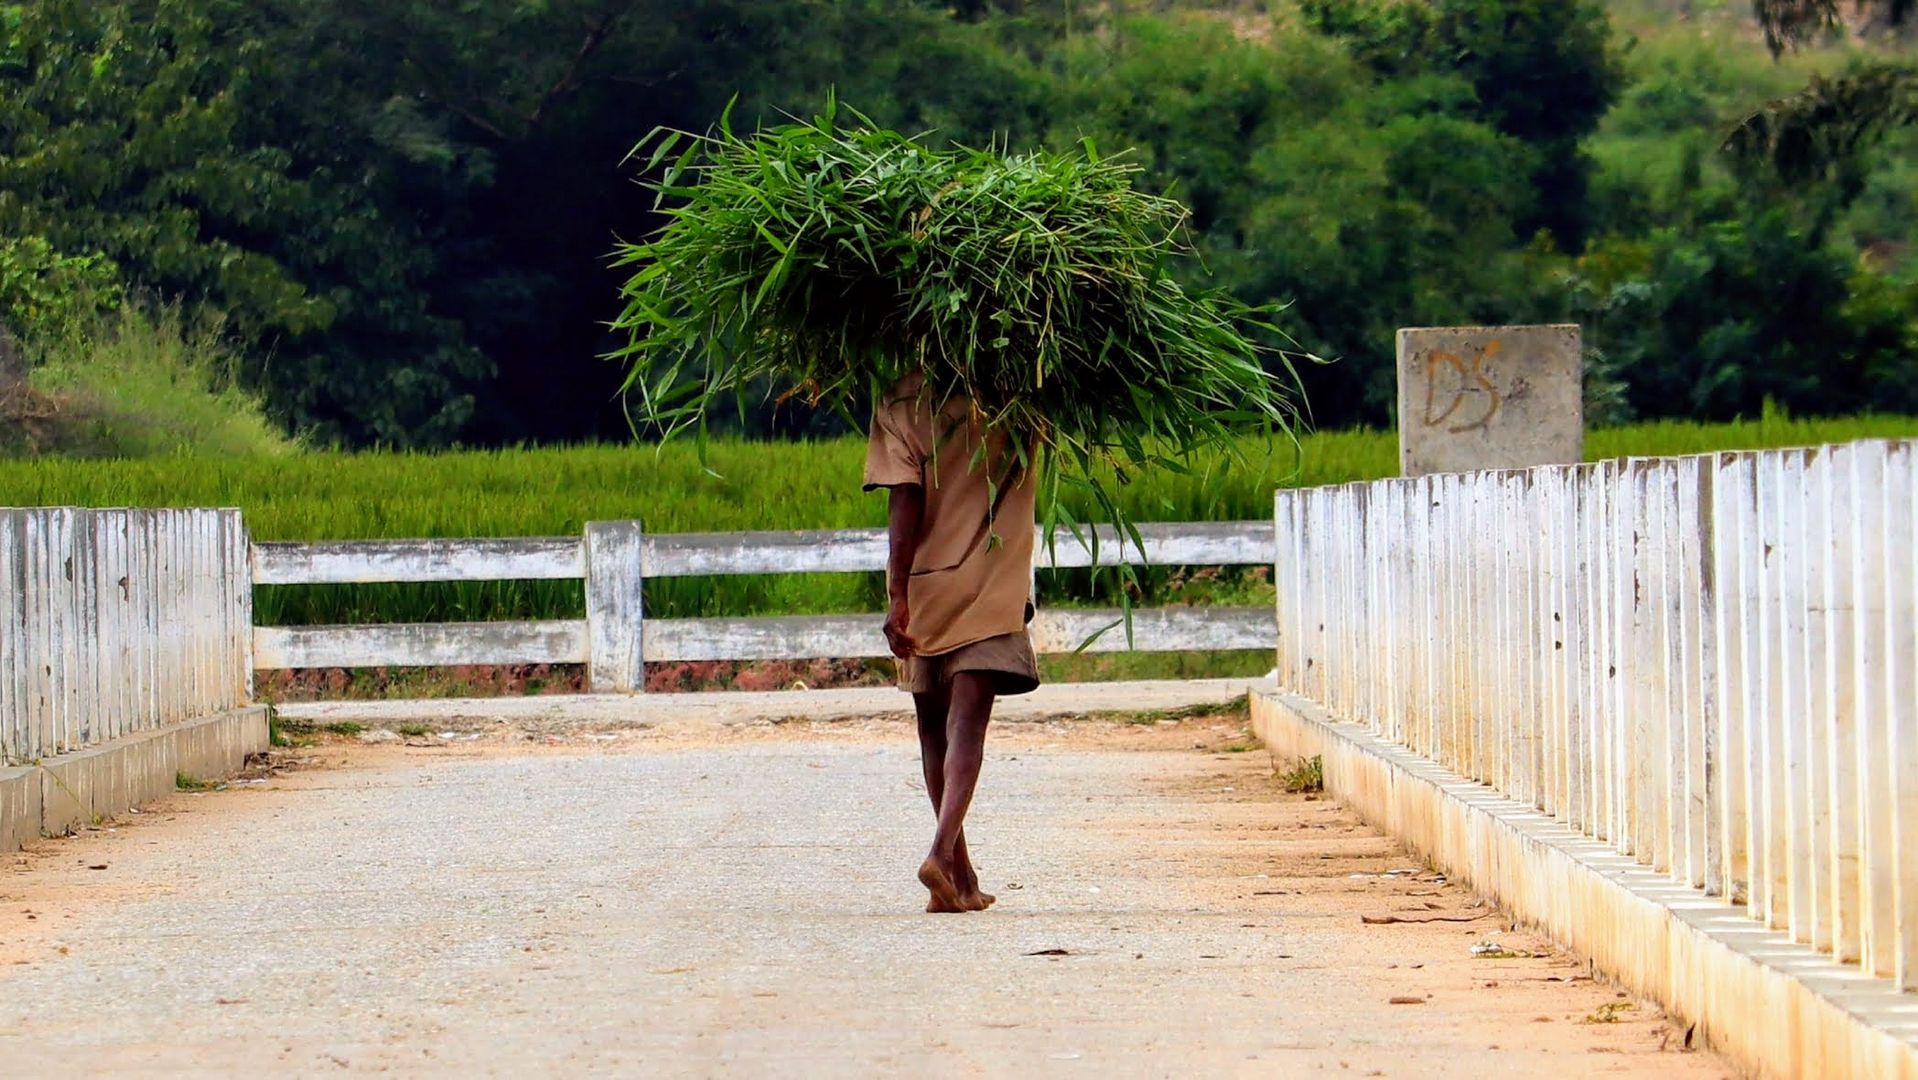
(739, 899)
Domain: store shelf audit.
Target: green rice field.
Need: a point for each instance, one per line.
(552, 492)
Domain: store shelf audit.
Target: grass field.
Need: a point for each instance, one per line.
(553, 492)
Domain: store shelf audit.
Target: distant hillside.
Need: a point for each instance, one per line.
(1869, 19)
(1255, 18)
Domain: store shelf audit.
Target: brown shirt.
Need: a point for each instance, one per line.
(972, 575)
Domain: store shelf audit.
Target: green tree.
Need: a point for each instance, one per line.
(497, 130)
(137, 129)
(43, 290)
(1822, 133)
(1541, 71)
(1364, 203)
(1713, 322)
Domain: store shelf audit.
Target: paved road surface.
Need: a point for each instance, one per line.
(745, 905)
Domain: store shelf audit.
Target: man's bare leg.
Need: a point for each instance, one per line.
(932, 709)
(968, 711)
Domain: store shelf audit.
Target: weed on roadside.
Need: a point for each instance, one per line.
(1306, 776)
(280, 736)
(1608, 1013)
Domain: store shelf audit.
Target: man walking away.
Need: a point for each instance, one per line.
(959, 578)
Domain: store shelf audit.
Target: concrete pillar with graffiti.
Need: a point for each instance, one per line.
(1489, 397)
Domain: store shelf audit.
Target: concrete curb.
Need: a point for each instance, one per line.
(1773, 1007)
(63, 792)
(19, 806)
(723, 707)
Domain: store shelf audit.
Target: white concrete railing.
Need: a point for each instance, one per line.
(117, 621)
(1708, 662)
(615, 639)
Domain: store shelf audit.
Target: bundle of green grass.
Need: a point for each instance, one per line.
(828, 259)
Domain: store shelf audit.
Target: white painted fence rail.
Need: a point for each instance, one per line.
(616, 639)
(117, 621)
(1706, 661)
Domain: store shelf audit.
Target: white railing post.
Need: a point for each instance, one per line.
(239, 608)
(14, 734)
(1901, 714)
(1871, 611)
(615, 608)
(1813, 536)
(1841, 707)
(1695, 604)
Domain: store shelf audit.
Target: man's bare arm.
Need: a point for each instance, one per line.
(905, 512)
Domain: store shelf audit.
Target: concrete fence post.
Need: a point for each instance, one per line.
(615, 610)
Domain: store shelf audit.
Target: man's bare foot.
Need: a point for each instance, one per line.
(945, 895)
(969, 894)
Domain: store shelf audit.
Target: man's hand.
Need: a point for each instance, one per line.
(898, 638)
(905, 512)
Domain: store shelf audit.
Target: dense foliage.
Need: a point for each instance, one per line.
(401, 213)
